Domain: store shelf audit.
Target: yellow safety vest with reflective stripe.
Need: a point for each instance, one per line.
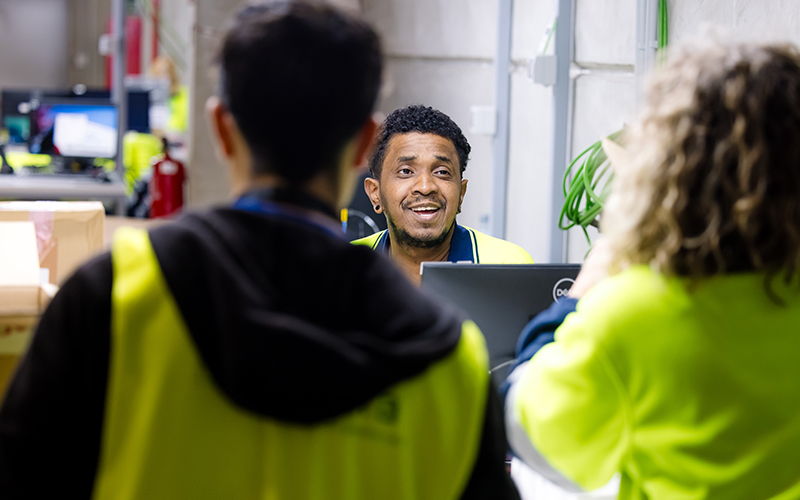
(169, 432)
(467, 245)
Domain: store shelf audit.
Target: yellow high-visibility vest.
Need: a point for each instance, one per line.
(467, 245)
(169, 431)
(688, 392)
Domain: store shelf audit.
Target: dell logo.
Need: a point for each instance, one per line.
(561, 289)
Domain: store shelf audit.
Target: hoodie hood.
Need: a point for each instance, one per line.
(293, 322)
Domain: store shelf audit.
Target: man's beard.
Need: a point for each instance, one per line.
(404, 238)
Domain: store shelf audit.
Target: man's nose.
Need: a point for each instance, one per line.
(426, 184)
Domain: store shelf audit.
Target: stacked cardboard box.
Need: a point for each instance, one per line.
(22, 295)
(67, 233)
(41, 244)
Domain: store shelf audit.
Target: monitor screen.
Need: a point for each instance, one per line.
(14, 107)
(80, 130)
(27, 124)
(139, 111)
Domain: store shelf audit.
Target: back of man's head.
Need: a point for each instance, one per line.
(300, 79)
(421, 119)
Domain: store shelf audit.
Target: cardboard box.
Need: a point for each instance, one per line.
(67, 233)
(19, 268)
(22, 296)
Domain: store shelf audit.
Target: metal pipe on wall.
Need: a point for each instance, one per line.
(118, 94)
(562, 124)
(646, 42)
(502, 103)
(156, 27)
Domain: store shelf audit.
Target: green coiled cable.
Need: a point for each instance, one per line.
(583, 201)
(585, 194)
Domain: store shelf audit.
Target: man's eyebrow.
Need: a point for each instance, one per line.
(402, 159)
(444, 159)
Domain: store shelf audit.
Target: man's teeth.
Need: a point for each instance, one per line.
(428, 209)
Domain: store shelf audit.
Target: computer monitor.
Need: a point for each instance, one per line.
(76, 129)
(501, 299)
(139, 111)
(14, 115)
(18, 112)
(138, 104)
(157, 91)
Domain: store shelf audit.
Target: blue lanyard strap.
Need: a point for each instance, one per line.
(290, 212)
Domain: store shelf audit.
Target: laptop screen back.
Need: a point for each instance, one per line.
(500, 299)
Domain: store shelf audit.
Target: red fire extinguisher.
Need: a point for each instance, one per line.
(166, 185)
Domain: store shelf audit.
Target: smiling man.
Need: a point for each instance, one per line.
(416, 180)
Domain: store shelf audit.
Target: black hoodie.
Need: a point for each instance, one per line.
(343, 326)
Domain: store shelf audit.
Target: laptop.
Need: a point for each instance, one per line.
(500, 298)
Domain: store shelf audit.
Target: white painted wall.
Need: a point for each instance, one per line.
(529, 177)
(605, 45)
(207, 181)
(33, 41)
(439, 53)
(175, 33)
(88, 19)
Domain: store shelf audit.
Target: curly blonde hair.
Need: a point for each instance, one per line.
(712, 185)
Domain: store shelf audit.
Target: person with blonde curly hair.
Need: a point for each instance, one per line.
(677, 367)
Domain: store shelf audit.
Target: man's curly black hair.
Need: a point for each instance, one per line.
(417, 118)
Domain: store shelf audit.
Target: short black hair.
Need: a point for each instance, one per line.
(300, 78)
(417, 118)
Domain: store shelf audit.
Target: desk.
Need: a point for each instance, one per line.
(60, 187)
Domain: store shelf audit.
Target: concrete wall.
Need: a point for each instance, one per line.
(177, 20)
(208, 183)
(529, 180)
(33, 41)
(88, 19)
(605, 49)
(440, 53)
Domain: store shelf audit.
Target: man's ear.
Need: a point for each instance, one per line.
(221, 123)
(365, 138)
(373, 189)
(463, 192)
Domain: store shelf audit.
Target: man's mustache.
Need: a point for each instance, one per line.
(441, 202)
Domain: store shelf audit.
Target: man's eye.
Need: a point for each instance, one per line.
(405, 171)
(442, 171)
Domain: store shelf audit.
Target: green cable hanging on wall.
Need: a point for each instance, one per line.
(587, 187)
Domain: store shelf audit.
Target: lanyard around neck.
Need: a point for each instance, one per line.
(297, 214)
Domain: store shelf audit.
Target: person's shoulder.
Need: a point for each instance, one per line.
(635, 297)
(636, 285)
(92, 279)
(187, 229)
(493, 250)
(370, 240)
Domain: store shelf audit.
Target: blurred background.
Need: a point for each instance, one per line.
(472, 59)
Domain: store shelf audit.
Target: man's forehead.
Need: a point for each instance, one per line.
(419, 144)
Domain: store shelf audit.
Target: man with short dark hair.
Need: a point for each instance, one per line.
(417, 183)
(250, 351)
